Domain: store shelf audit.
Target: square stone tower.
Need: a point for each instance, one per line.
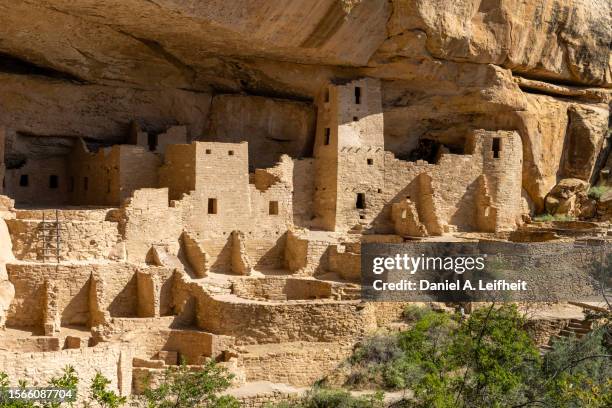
(349, 154)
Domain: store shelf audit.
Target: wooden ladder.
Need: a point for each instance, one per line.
(49, 233)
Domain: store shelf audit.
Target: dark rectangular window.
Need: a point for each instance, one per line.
(360, 203)
(357, 95)
(370, 162)
(53, 181)
(327, 135)
(212, 205)
(24, 180)
(152, 142)
(71, 184)
(496, 147)
(208, 151)
(273, 208)
(230, 152)
(326, 94)
(85, 183)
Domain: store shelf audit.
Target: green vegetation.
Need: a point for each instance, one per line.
(446, 360)
(596, 192)
(550, 217)
(181, 386)
(185, 387)
(103, 397)
(485, 360)
(332, 398)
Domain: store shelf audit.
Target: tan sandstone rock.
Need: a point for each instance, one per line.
(604, 206)
(557, 40)
(567, 197)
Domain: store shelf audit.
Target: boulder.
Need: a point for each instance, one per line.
(604, 206)
(587, 127)
(567, 197)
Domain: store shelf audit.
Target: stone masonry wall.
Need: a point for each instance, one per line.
(73, 298)
(38, 189)
(262, 322)
(112, 360)
(298, 364)
(79, 240)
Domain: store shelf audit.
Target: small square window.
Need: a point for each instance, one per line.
(208, 151)
(273, 208)
(355, 118)
(212, 205)
(230, 152)
(53, 181)
(370, 162)
(24, 180)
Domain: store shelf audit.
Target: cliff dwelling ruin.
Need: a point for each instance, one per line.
(214, 205)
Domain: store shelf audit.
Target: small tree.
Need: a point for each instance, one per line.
(4, 401)
(67, 381)
(185, 387)
(102, 396)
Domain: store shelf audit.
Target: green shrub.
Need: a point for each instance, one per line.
(414, 312)
(596, 192)
(486, 360)
(186, 387)
(102, 396)
(377, 350)
(550, 217)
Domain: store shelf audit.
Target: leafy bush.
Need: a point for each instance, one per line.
(185, 387)
(372, 362)
(596, 192)
(377, 350)
(68, 380)
(414, 312)
(394, 361)
(487, 360)
(102, 396)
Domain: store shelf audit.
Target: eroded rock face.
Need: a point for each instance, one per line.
(561, 139)
(43, 106)
(185, 43)
(587, 127)
(270, 126)
(566, 39)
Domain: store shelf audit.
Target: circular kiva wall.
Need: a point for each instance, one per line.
(281, 288)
